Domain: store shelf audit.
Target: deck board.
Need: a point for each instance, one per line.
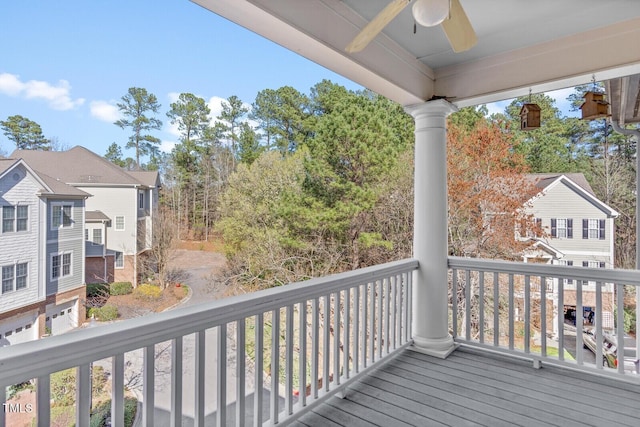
(473, 388)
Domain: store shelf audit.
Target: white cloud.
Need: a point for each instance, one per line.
(105, 111)
(167, 146)
(57, 95)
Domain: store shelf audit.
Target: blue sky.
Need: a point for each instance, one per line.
(65, 64)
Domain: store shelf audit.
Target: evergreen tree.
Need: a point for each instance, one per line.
(138, 107)
(25, 133)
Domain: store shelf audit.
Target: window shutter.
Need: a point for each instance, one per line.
(585, 228)
(569, 228)
(554, 230)
(602, 229)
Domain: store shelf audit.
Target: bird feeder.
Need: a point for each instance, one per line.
(529, 116)
(594, 106)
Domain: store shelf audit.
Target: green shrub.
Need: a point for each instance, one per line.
(147, 292)
(97, 289)
(102, 411)
(105, 313)
(120, 288)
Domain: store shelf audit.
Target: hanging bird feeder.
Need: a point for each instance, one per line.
(529, 116)
(594, 106)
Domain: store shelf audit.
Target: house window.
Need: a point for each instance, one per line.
(593, 229)
(119, 260)
(60, 265)
(14, 277)
(7, 278)
(97, 236)
(22, 218)
(562, 228)
(8, 218)
(60, 216)
(119, 223)
(140, 200)
(21, 276)
(592, 264)
(568, 263)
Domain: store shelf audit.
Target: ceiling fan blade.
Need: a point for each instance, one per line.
(371, 30)
(458, 29)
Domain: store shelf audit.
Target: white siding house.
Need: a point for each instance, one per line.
(41, 254)
(127, 199)
(578, 230)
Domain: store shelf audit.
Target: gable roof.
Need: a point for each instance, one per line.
(148, 178)
(50, 186)
(576, 181)
(77, 166)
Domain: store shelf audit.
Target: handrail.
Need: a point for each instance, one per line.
(358, 318)
(498, 305)
(628, 277)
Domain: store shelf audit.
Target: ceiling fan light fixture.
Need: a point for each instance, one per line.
(429, 13)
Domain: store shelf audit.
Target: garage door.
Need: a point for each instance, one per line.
(18, 330)
(63, 317)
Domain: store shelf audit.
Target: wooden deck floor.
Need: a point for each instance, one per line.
(471, 388)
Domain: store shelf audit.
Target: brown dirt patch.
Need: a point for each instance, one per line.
(212, 245)
(130, 306)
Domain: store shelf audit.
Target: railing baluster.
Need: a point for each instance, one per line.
(302, 358)
(394, 312)
(511, 313)
(599, 341)
(315, 346)
(387, 314)
(372, 330)
(481, 306)
(336, 338)
(496, 308)
(288, 370)
(579, 324)
(527, 314)
(326, 350)
(199, 375)
(561, 319)
(83, 395)
(259, 368)
(620, 326)
(240, 372)
(221, 407)
(275, 365)
(409, 306)
(380, 314)
(543, 316)
(148, 387)
(117, 390)
(176, 382)
(467, 304)
(357, 333)
(347, 332)
(454, 303)
(43, 399)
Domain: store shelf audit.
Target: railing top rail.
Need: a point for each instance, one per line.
(606, 275)
(52, 354)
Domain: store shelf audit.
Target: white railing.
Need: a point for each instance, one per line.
(498, 305)
(288, 347)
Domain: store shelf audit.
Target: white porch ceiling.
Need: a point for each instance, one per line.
(538, 45)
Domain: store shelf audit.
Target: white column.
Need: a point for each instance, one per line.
(430, 299)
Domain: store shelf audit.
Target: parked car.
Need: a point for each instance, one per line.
(610, 350)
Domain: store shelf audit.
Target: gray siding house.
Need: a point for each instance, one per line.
(578, 230)
(121, 208)
(41, 254)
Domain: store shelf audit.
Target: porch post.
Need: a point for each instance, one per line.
(430, 299)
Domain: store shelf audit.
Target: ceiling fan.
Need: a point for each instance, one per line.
(427, 13)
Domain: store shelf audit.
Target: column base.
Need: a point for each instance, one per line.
(440, 348)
